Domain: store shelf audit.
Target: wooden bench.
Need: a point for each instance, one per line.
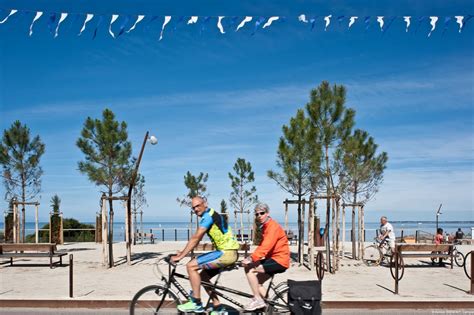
(403, 251)
(144, 236)
(426, 251)
(31, 251)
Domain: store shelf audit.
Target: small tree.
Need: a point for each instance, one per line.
(107, 159)
(299, 157)
(196, 186)
(242, 197)
(334, 122)
(224, 210)
(20, 159)
(139, 198)
(55, 220)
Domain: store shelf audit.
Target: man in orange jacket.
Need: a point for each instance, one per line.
(271, 256)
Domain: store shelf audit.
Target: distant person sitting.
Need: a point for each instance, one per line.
(458, 236)
(439, 238)
(387, 233)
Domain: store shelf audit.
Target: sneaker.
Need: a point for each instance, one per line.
(255, 304)
(191, 307)
(220, 310)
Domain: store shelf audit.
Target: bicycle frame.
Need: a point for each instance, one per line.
(172, 281)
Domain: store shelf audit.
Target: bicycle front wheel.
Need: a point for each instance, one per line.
(150, 299)
(278, 304)
(372, 255)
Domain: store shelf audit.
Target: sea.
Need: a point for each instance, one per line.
(171, 231)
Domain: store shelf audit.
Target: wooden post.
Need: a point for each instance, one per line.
(36, 225)
(353, 235)
(71, 279)
(61, 228)
(50, 228)
(311, 232)
(343, 231)
(338, 226)
(15, 222)
(286, 215)
(359, 234)
(302, 229)
(127, 235)
(362, 225)
(104, 232)
(396, 270)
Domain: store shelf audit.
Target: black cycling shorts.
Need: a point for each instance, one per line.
(271, 267)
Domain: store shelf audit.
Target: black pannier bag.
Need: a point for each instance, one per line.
(304, 297)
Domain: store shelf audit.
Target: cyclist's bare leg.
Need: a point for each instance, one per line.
(256, 276)
(194, 277)
(206, 278)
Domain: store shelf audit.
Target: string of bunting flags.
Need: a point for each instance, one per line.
(224, 24)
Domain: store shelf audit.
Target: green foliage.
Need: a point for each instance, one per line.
(360, 167)
(139, 194)
(20, 159)
(107, 152)
(241, 197)
(298, 157)
(196, 186)
(331, 119)
(55, 204)
(224, 213)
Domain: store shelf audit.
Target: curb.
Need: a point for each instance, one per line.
(124, 304)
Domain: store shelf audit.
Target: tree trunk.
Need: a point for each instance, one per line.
(111, 230)
(328, 211)
(23, 199)
(353, 235)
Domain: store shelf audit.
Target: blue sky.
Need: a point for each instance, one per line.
(211, 98)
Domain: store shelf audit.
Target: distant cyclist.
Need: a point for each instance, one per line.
(387, 233)
(225, 254)
(270, 257)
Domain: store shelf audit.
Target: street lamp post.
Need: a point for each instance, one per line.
(437, 217)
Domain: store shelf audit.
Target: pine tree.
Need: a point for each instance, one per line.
(333, 122)
(242, 197)
(20, 159)
(299, 158)
(107, 159)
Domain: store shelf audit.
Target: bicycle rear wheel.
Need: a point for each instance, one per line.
(372, 255)
(150, 299)
(467, 264)
(458, 258)
(279, 302)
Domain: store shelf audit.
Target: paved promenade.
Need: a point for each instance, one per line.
(34, 280)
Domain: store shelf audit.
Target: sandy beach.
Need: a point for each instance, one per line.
(32, 279)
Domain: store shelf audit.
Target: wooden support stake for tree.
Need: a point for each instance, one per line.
(36, 225)
(104, 232)
(359, 234)
(343, 230)
(127, 235)
(302, 229)
(286, 215)
(15, 222)
(61, 229)
(311, 232)
(362, 224)
(338, 226)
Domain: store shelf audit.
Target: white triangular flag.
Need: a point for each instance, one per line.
(433, 21)
(167, 20)
(380, 20)
(242, 23)
(459, 20)
(61, 19)
(37, 16)
(89, 17)
(193, 20)
(219, 24)
(270, 21)
(328, 21)
(302, 18)
(13, 11)
(114, 18)
(139, 18)
(352, 20)
(407, 20)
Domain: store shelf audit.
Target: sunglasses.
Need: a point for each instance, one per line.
(257, 214)
(194, 207)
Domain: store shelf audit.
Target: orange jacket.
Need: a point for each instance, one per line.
(274, 245)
